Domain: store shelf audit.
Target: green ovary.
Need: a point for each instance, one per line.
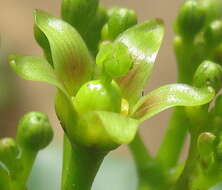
(96, 95)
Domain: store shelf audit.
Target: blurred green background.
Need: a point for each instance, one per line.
(18, 96)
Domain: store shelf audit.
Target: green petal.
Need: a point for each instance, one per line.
(87, 20)
(170, 96)
(36, 69)
(66, 114)
(106, 130)
(143, 42)
(44, 43)
(71, 59)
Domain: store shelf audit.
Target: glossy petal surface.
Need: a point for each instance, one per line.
(71, 60)
(36, 69)
(170, 96)
(143, 42)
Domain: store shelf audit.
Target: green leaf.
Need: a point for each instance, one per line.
(106, 130)
(34, 68)
(87, 20)
(169, 96)
(71, 60)
(143, 42)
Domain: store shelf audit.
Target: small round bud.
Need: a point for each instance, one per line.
(191, 19)
(208, 74)
(205, 145)
(115, 59)
(120, 19)
(34, 131)
(213, 33)
(96, 95)
(8, 151)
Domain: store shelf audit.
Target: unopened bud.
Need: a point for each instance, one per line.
(8, 150)
(205, 144)
(208, 74)
(213, 33)
(191, 18)
(120, 19)
(115, 59)
(34, 131)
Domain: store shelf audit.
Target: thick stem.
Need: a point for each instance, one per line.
(81, 167)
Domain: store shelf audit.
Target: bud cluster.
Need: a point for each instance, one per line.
(199, 37)
(17, 155)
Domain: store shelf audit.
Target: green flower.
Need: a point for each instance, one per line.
(100, 105)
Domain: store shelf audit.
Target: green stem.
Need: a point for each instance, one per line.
(20, 179)
(173, 141)
(141, 156)
(5, 181)
(170, 149)
(67, 150)
(150, 173)
(80, 167)
(139, 152)
(185, 180)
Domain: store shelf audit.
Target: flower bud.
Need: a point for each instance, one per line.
(115, 59)
(213, 33)
(120, 19)
(213, 9)
(208, 74)
(8, 151)
(34, 131)
(96, 95)
(191, 19)
(205, 145)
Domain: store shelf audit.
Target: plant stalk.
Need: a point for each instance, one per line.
(185, 180)
(170, 148)
(150, 173)
(80, 167)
